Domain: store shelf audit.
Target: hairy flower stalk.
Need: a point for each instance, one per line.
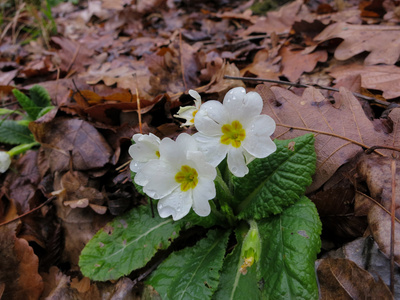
(181, 178)
(235, 128)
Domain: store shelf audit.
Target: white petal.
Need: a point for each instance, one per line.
(143, 150)
(258, 142)
(160, 178)
(135, 166)
(141, 179)
(204, 191)
(203, 168)
(195, 95)
(236, 162)
(241, 106)
(177, 204)
(174, 152)
(5, 161)
(214, 151)
(210, 118)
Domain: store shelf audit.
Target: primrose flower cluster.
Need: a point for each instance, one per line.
(181, 173)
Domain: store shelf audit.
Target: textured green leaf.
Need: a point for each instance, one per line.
(290, 243)
(40, 96)
(233, 285)
(44, 111)
(126, 244)
(27, 104)
(192, 273)
(13, 133)
(278, 180)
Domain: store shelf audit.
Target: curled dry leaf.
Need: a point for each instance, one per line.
(68, 139)
(343, 279)
(383, 78)
(309, 112)
(360, 38)
(19, 266)
(295, 62)
(366, 254)
(376, 172)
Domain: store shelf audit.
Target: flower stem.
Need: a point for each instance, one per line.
(225, 198)
(22, 148)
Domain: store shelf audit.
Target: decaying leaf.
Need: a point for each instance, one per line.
(19, 267)
(365, 253)
(383, 77)
(308, 111)
(295, 63)
(68, 139)
(359, 38)
(343, 279)
(376, 172)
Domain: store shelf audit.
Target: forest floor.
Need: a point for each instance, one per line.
(113, 69)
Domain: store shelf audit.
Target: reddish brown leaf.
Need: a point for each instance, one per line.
(19, 267)
(359, 38)
(68, 139)
(295, 63)
(308, 111)
(383, 78)
(343, 279)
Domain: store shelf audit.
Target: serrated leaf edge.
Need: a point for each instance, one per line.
(244, 204)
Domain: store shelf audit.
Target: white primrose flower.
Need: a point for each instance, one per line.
(235, 128)
(181, 179)
(145, 149)
(188, 112)
(5, 161)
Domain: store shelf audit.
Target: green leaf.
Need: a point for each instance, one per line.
(192, 273)
(44, 111)
(290, 243)
(234, 285)
(194, 219)
(5, 111)
(13, 133)
(40, 96)
(127, 243)
(276, 181)
(27, 104)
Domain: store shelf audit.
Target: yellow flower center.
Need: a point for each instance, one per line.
(158, 153)
(187, 177)
(194, 114)
(233, 134)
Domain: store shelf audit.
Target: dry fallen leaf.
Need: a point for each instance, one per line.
(308, 111)
(68, 139)
(383, 78)
(19, 267)
(343, 279)
(295, 63)
(382, 42)
(376, 172)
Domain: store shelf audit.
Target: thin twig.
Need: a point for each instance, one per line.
(377, 203)
(330, 134)
(181, 59)
(74, 57)
(373, 148)
(31, 211)
(372, 99)
(392, 224)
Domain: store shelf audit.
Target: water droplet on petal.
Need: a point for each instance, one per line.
(160, 206)
(234, 169)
